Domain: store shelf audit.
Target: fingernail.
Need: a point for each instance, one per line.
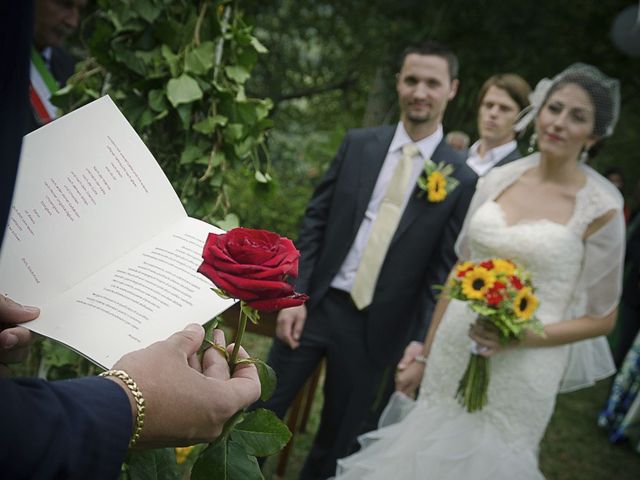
(193, 327)
(9, 341)
(31, 309)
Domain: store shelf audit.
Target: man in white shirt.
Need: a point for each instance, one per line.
(501, 99)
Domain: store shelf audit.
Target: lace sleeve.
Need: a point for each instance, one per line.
(599, 286)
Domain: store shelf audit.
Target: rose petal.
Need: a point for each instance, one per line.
(273, 304)
(262, 288)
(230, 289)
(252, 271)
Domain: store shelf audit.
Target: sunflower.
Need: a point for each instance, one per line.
(477, 282)
(525, 304)
(505, 267)
(436, 187)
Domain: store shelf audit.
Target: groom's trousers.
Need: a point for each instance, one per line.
(334, 330)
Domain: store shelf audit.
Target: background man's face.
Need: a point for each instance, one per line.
(55, 20)
(496, 116)
(424, 89)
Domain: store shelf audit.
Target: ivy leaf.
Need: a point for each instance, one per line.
(230, 221)
(171, 59)
(184, 112)
(200, 59)
(123, 54)
(183, 89)
(261, 433)
(226, 460)
(190, 153)
(234, 131)
(260, 177)
(237, 73)
(146, 9)
(208, 125)
(243, 148)
(156, 100)
(158, 464)
(260, 48)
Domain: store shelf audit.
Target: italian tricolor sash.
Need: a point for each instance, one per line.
(42, 86)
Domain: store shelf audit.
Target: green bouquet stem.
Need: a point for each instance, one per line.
(473, 386)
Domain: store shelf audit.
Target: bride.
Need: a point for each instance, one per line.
(563, 223)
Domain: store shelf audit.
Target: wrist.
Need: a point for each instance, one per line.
(136, 400)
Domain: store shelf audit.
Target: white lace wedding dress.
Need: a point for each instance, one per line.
(438, 439)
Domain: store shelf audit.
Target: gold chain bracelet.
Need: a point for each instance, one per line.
(137, 396)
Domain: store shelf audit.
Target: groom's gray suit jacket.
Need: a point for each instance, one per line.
(421, 253)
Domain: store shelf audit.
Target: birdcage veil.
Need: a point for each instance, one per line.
(603, 90)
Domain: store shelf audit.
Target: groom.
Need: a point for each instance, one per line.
(372, 246)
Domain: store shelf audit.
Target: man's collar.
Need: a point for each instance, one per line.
(494, 154)
(426, 145)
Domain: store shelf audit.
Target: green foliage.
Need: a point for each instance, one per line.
(178, 71)
(232, 455)
(159, 464)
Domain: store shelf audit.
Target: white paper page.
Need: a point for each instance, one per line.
(143, 297)
(88, 191)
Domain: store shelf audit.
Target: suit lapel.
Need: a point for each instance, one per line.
(513, 155)
(373, 156)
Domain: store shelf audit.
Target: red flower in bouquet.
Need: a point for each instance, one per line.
(253, 266)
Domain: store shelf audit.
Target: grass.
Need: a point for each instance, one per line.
(573, 448)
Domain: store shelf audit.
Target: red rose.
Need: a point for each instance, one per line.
(495, 294)
(515, 281)
(488, 264)
(253, 266)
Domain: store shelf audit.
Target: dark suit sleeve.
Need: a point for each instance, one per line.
(315, 218)
(73, 429)
(445, 256)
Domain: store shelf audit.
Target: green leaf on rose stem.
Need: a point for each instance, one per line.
(220, 293)
(226, 460)
(261, 433)
(266, 374)
(251, 313)
(155, 464)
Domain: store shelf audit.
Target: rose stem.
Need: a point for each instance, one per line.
(242, 324)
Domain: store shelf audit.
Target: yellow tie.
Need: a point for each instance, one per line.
(382, 230)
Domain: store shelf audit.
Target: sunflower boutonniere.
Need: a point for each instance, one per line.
(437, 180)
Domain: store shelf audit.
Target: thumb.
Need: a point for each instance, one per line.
(12, 312)
(188, 340)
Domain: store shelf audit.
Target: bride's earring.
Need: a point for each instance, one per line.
(532, 142)
(584, 155)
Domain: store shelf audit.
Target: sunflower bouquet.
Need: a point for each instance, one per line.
(502, 294)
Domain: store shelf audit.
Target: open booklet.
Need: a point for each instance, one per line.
(98, 239)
